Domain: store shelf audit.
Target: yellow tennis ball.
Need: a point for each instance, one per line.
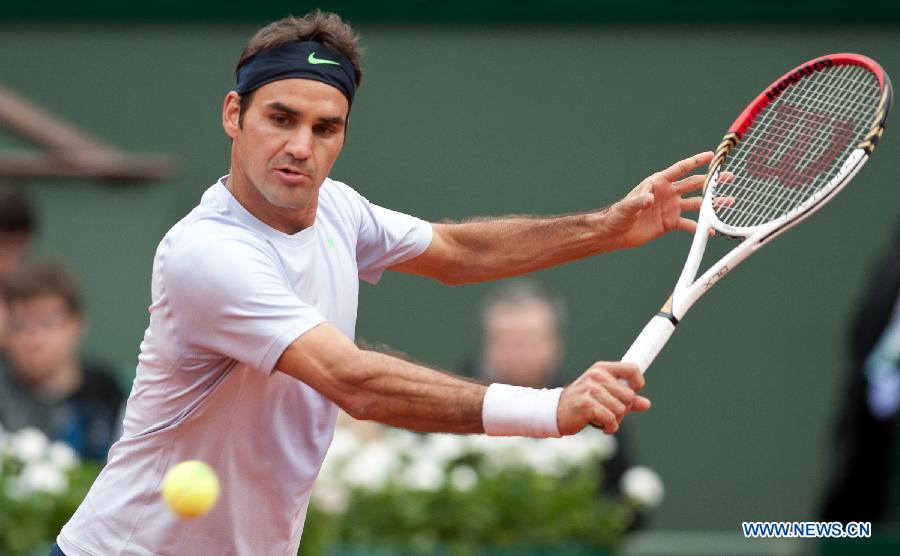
(191, 488)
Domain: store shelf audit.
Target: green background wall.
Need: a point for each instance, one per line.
(462, 120)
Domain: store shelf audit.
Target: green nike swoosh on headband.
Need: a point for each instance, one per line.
(313, 60)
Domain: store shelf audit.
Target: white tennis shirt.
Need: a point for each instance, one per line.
(229, 294)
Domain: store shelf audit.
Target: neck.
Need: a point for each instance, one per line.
(285, 220)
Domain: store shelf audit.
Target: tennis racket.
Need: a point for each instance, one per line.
(789, 152)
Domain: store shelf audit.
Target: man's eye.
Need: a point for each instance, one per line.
(324, 130)
(280, 120)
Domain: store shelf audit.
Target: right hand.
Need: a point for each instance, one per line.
(598, 398)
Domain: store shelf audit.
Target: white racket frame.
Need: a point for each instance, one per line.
(688, 289)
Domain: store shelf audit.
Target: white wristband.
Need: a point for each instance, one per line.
(519, 411)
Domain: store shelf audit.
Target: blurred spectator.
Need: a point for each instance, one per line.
(44, 383)
(865, 479)
(17, 227)
(522, 344)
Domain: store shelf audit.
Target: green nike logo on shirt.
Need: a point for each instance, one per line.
(313, 60)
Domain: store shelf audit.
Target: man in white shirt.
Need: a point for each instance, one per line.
(249, 352)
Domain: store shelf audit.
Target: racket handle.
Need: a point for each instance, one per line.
(649, 343)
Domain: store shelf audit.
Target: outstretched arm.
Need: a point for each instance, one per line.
(489, 249)
(376, 386)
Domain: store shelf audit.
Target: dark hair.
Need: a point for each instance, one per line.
(43, 278)
(16, 212)
(325, 27)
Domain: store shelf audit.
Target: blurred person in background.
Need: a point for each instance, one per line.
(44, 383)
(521, 337)
(865, 476)
(522, 327)
(17, 228)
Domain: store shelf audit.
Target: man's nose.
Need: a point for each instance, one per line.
(300, 144)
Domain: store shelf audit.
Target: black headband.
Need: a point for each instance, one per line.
(304, 60)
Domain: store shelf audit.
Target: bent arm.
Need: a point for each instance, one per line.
(489, 249)
(481, 250)
(374, 386)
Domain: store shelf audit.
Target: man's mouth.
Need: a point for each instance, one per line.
(291, 175)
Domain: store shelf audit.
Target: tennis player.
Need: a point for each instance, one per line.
(249, 352)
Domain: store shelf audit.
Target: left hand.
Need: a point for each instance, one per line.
(655, 206)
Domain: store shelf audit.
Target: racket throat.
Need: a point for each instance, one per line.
(666, 312)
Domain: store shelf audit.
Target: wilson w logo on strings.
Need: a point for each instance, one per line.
(797, 145)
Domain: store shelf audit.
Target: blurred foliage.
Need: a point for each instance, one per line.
(29, 524)
(513, 508)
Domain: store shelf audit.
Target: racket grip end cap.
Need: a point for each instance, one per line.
(650, 342)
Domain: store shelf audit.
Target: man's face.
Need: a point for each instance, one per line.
(284, 148)
(521, 344)
(43, 335)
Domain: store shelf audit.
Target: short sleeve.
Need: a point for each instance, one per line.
(230, 296)
(386, 238)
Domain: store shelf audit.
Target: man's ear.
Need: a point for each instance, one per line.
(231, 113)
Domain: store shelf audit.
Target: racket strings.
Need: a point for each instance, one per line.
(797, 144)
(819, 153)
(788, 132)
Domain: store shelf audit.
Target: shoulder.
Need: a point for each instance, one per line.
(339, 190)
(339, 195)
(207, 239)
(210, 226)
(210, 263)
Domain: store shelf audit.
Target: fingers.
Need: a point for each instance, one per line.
(691, 183)
(602, 396)
(629, 206)
(628, 373)
(688, 225)
(694, 203)
(687, 165)
(640, 404)
(615, 401)
(691, 203)
(605, 420)
(723, 202)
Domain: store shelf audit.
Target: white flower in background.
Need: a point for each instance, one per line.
(402, 440)
(545, 457)
(503, 452)
(29, 444)
(440, 448)
(478, 443)
(371, 466)
(463, 478)
(423, 474)
(43, 476)
(604, 446)
(62, 455)
(330, 497)
(643, 486)
(343, 446)
(15, 489)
